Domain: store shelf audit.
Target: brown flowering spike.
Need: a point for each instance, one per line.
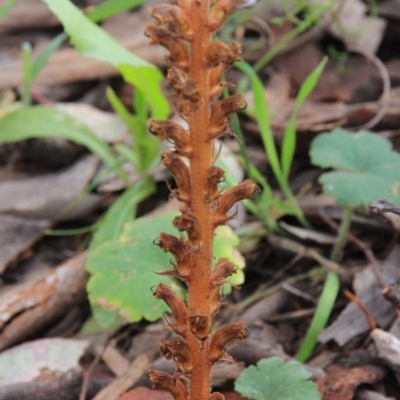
(215, 175)
(179, 55)
(216, 396)
(223, 8)
(179, 351)
(188, 222)
(174, 132)
(162, 380)
(199, 324)
(223, 336)
(243, 190)
(219, 53)
(196, 68)
(180, 171)
(221, 112)
(177, 306)
(176, 16)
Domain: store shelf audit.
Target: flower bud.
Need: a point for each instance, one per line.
(177, 306)
(199, 324)
(223, 336)
(162, 380)
(179, 351)
(223, 8)
(179, 55)
(181, 173)
(222, 270)
(176, 16)
(215, 175)
(188, 222)
(174, 132)
(220, 53)
(243, 190)
(220, 113)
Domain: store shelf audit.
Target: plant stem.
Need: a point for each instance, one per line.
(199, 284)
(342, 235)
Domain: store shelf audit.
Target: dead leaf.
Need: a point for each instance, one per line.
(17, 235)
(341, 383)
(40, 359)
(352, 321)
(143, 393)
(44, 196)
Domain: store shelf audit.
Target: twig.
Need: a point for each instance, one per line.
(383, 206)
(88, 373)
(384, 101)
(361, 306)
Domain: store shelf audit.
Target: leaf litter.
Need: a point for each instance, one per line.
(43, 298)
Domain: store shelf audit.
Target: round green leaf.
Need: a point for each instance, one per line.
(273, 379)
(368, 169)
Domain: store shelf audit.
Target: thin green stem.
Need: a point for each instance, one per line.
(342, 235)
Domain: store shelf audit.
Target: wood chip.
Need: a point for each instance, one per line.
(17, 235)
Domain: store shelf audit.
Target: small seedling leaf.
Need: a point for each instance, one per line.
(273, 379)
(368, 168)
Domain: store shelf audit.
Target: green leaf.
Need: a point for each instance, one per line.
(6, 8)
(42, 121)
(368, 168)
(111, 7)
(92, 41)
(273, 379)
(123, 272)
(41, 60)
(262, 116)
(225, 244)
(289, 137)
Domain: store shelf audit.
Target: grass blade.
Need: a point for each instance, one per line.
(92, 41)
(110, 8)
(289, 137)
(43, 57)
(41, 121)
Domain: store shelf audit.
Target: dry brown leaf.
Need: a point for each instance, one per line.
(341, 383)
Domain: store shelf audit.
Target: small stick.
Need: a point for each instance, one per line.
(383, 206)
(361, 306)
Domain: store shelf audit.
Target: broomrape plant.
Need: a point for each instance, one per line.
(196, 67)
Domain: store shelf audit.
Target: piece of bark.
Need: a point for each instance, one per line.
(387, 349)
(64, 387)
(352, 321)
(44, 196)
(38, 304)
(370, 395)
(144, 393)
(17, 235)
(120, 385)
(27, 14)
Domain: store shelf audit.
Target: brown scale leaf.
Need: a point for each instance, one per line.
(162, 380)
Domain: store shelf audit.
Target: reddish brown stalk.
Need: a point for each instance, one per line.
(194, 75)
